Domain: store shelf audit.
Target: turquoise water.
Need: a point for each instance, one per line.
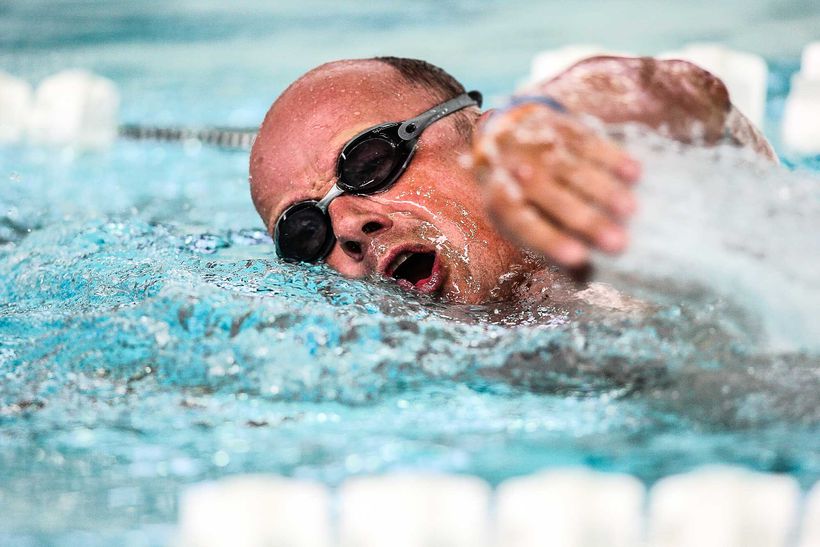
(149, 338)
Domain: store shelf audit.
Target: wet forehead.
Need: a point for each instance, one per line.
(295, 156)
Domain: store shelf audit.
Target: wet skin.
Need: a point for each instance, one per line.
(534, 186)
(436, 205)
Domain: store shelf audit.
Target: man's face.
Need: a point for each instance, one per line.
(428, 231)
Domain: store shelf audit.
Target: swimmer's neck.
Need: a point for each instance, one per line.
(550, 285)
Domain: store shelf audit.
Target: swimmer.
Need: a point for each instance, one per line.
(388, 168)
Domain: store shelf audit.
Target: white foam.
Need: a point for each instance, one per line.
(720, 219)
(414, 510)
(723, 507)
(75, 108)
(251, 511)
(15, 106)
(744, 74)
(569, 508)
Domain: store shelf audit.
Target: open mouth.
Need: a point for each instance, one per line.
(416, 270)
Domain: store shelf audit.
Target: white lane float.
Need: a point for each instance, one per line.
(79, 110)
(255, 511)
(15, 108)
(745, 74)
(569, 508)
(810, 61)
(810, 530)
(723, 507)
(413, 510)
(709, 507)
(800, 129)
(75, 108)
(550, 63)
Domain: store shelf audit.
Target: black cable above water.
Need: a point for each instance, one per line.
(223, 137)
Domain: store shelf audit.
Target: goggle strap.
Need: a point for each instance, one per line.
(413, 127)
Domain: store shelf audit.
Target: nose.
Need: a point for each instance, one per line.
(356, 221)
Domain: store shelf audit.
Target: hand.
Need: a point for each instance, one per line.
(553, 185)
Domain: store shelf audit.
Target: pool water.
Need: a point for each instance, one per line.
(149, 337)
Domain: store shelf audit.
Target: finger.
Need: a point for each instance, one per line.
(599, 187)
(539, 126)
(602, 152)
(565, 207)
(526, 226)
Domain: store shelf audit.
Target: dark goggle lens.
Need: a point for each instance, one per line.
(303, 233)
(367, 165)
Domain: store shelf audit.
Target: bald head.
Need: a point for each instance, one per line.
(343, 94)
(311, 110)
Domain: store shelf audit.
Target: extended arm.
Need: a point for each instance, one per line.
(557, 187)
(675, 98)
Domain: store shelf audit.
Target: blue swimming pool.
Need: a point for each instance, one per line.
(149, 337)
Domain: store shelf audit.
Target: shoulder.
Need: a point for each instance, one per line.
(640, 70)
(671, 94)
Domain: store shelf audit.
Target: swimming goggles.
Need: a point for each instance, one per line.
(370, 162)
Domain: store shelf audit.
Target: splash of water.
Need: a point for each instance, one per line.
(725, 221)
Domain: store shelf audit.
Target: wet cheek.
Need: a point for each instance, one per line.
(451, 227)
(339, 262)
(453, 218)
(479, 268)
(459, 257)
